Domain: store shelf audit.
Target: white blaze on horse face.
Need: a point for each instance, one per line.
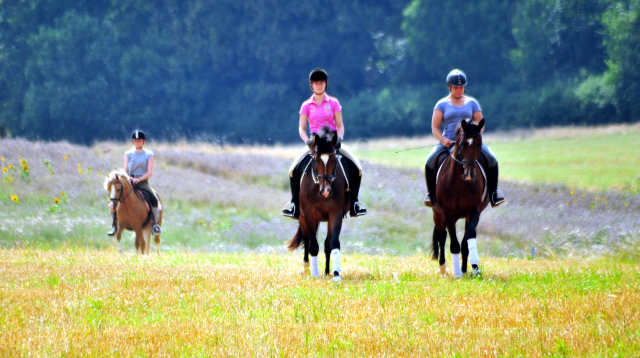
(470, 141)
(325, 158)
(113, 192)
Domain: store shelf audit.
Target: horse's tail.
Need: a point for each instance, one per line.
(435, 252)
(296, 241)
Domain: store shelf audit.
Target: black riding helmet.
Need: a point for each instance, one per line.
(318, 75)
(456, 78)
(138, 135)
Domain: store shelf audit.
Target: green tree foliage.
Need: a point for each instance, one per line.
(471, 35)
(558, 38)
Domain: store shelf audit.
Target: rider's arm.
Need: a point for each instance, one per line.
(436, 123)
(339, 124)
(302, 128)
(149, 172)
(126, 164)
(477, 117)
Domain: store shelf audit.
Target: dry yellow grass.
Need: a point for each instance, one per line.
(95, 303)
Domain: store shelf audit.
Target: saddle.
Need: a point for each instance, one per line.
(148, 198)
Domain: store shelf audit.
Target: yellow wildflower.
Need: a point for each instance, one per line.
(80, 170)
(571, 192)
(66, 157)
(14, 198)
(25, 168)
(10, 166)
(23, 162)
(5, 169)
(9, 180)
(79, 165)
(2, 159)
(57, 201)
(62, 193)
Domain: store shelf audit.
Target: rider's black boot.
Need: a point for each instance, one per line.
(357, 208)
(114, 224)
(496, 197)
(430, 177)
(292, 208)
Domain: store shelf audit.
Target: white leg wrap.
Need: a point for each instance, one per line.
(455, 262)
(314, 266)
(335, 260)
(473, 251)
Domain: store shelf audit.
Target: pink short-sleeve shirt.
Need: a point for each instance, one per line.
(323, 115)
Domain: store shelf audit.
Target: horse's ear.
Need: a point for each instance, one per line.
(481, 124)
(464, 124)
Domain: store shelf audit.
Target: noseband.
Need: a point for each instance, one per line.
(120, 198)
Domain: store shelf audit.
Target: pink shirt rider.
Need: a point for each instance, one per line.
(323, 115)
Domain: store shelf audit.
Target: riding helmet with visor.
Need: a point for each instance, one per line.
(318, 75)
(138, 135)
(456, 78)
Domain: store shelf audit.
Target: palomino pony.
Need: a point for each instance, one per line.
(462, 193)
(132, 212)
(324, 196)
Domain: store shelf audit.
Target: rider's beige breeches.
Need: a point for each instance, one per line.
(344, 150)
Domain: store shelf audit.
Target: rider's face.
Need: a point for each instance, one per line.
(318, 87)
(456, 92)
(138, 143)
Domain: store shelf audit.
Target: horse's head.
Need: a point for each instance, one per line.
(323, 152)
(115, 184)
(469, 146)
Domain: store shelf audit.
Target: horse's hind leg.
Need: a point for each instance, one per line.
(438, 241)
(454, 248)
(327, 252)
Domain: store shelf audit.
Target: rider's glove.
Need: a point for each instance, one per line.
(338, 143)
(309, 143)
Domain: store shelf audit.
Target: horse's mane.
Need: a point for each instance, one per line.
(111, 176)
(324, 146)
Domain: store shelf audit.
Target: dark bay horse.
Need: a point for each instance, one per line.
(461, 184)
(324, 196)
(132, 212)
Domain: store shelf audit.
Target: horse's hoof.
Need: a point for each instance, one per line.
(443, 270)
(337, 279)
(305, 272)
(475, 272)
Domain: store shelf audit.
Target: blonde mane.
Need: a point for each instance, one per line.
(112, 176)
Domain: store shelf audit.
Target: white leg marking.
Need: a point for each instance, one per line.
(473, 251)
(325, 158)
(335, 261)
(455, 261)
(315, 272)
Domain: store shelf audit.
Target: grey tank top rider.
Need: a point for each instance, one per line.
(138, 162)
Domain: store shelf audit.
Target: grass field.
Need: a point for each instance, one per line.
(95, 303)
(560, 261)
(597, 159)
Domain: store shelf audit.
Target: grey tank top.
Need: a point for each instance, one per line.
(452, 115)
(138, 162)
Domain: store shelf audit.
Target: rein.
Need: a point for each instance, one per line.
(120, 198)
(464, 161)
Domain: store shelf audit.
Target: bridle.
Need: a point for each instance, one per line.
(318, 177)
(120, 198)
(464, 162)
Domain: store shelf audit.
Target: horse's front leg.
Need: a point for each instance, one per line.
(454, 248)
(469, 244)
(335, 226)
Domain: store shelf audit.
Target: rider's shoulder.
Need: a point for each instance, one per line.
(443, 101)
(469, 99)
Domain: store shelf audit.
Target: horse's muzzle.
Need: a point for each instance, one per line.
(469, 173)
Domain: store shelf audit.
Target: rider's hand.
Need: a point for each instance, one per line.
(339, 142)
(446, 142)
(309, 143)
(135, 180)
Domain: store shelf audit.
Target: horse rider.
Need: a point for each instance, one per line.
(138, 163)
(450, 111)
(323, 110)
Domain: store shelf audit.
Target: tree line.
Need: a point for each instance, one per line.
(236, 71)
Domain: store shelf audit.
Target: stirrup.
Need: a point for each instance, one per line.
(113, 231)
(156, 230)
(359, 209)
(289, 210)
(428, 202)
(497, 198)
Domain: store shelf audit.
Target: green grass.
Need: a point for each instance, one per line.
(591, 162)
